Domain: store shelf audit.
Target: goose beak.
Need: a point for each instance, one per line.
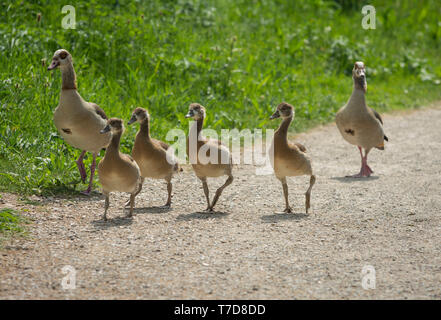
(190, 114)
(132, 119)
(106, 129)
(53, 65)
(275, 115)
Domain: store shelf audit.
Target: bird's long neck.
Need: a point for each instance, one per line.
(144, 128)
(360, 83)
(69, 78)
(282, 131)
(358, 98)
(113, 148)
(200, 123)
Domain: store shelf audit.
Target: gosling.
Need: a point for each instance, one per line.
(289, 159)
(208, 157)
(117, 171)
(151, 154)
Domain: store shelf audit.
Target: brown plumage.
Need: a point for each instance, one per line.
(216, 159)
(289, 159)
(359, 124)
(151, 155)
(117, 171)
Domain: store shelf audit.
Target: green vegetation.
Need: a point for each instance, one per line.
(238, 58)
(11, 224)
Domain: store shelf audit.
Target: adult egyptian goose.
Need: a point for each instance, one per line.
(289, 159)
(79, 122)
(359, 124)
(208, 157)
(151, 154)
(117, 171)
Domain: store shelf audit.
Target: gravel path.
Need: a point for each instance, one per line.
(249, 250)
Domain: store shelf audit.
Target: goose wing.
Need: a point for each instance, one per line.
(377, 115)
(99, 111)
(299, 146)
(163, 145)
(127, 157)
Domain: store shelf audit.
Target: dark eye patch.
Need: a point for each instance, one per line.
(63, 54)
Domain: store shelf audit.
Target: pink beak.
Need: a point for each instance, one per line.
(53, 65)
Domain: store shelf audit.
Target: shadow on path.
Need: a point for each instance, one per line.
(154, 209)
(201, 215)
(112, 222)
(276, 217)
(352, 179)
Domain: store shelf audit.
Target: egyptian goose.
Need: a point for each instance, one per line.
(289, 159)
(79, 122)
(208, 157)
(151, 154)
(359, 124)
(117, 171)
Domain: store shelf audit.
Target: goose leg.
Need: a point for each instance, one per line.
(285, 194)
(205, 186)
(106, 206)
(132, 204)
(137, 191)
(81, 167)
(219, 191)
(365, 170)
(308, 193)
(169, 191)
(92, 174)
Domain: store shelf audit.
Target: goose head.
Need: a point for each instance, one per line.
(139, 114)
(114, 125)
(61, 59)
(195, 111)
(284, 110)
(359, 76)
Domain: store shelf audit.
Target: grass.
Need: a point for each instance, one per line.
(11, 224)
(239, 59)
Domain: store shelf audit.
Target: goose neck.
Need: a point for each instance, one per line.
(358, 98)
(113, 148)
(199, 124)
(283, 128)
(68, 76)
(144, 128)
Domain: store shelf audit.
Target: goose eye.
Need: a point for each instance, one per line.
(63, 55)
